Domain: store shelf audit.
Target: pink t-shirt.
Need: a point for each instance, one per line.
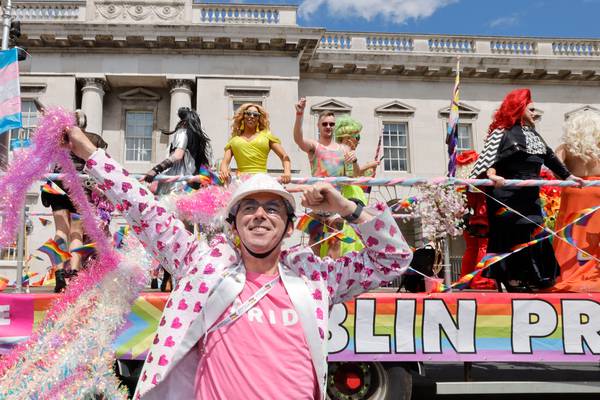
(262, 355)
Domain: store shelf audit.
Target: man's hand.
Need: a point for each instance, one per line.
(300, 106)
(78, 143)
(350, 157)
(323, 197)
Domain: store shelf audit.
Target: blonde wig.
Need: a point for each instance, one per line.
(582, 135)
(237, 127)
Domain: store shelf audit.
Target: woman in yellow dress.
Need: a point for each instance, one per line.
(250, 144)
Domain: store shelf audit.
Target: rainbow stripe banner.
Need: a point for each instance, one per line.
(476, 326)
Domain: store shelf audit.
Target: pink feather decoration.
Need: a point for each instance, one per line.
(204, 205)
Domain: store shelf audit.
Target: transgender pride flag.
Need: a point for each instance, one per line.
(10, 94)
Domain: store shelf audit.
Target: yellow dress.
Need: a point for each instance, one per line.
(251, 155)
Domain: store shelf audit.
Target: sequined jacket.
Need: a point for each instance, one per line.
(202, 295)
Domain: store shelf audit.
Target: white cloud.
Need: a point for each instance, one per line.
(504, 21)
(396, 11)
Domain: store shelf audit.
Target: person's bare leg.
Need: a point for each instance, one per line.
(62, 226)
(75, 241)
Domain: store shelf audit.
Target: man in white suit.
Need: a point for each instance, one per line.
(247, 322)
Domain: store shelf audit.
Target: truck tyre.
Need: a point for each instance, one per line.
(368, 381)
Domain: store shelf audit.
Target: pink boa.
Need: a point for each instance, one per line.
(28, 167)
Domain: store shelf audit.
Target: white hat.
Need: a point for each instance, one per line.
(259, 183)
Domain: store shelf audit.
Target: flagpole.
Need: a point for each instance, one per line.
(21, 252)
(6, 21)
(453, 119)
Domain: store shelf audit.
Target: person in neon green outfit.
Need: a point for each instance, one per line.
(251, 142)
(347, 133)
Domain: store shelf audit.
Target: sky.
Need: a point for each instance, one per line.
(536, 18)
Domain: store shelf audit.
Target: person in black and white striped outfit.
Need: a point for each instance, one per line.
(515, 150)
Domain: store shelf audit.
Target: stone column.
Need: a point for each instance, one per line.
(92, 96)
(181, 96)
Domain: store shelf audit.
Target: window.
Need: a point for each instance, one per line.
(395, 146)
(138, 135)
(29, 118)
(464, 140)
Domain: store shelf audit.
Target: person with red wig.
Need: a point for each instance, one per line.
(515, 150)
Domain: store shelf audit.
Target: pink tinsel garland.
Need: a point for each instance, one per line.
(28, 167)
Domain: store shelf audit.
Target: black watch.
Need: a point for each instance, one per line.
(352, 218)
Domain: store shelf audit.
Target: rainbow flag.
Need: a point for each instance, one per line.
(208, 177)
(3, 283)
(50, 278)
(10, 95)
(502, 212)
(85, 250)
(341, 237)
(308, 224)
(52, 188)
(54, 252)
(44, 221)
(27, 278)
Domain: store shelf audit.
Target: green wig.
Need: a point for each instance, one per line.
(346, 126)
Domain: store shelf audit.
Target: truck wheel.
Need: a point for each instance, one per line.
(368, 381)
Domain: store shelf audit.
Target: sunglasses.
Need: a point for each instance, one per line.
(252, 114)
(327, 124)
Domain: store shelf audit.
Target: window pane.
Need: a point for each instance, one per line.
(395, 146)
(138, 135)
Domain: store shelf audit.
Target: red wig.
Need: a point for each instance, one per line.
(511, 110)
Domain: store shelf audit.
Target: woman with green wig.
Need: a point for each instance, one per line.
(347, 132)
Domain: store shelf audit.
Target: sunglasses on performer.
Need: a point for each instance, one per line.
(327, 124)
(252, 114)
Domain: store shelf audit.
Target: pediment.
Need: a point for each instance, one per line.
(587, 107)
(333, 105)
(395, 107)
(464, 110)
(139, 94)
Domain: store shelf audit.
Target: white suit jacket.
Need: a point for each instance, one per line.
(202, 295)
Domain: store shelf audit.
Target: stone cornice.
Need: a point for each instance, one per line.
(295, 41)
(339, 54)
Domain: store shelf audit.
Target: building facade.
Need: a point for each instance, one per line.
(130, 65)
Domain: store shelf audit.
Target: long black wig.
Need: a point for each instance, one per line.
(198, 141)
